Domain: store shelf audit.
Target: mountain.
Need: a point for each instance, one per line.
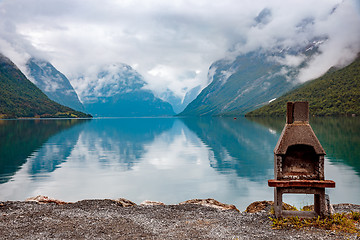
(53, 83)
(119, 91)
(335, 93)
(251, 80)
(21, 98)
(178, 103)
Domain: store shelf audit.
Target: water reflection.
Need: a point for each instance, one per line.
(164, 159)
(340, 138)
(119, 142)
(20, 139)
(238, 145)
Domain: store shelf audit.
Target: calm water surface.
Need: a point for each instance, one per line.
(165, 159)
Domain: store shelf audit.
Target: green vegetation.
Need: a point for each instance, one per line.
(342, 222)
(336, 93)
(20, 98)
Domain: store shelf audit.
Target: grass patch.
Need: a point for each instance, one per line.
(340, 222)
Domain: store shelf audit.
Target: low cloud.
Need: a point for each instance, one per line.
(289, 60)
(173, 43)
(343, 30)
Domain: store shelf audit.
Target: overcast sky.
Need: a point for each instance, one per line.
(172, 43)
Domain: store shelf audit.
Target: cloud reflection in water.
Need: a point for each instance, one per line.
(162, 159)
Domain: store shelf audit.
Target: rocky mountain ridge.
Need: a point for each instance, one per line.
(53, 83)
(250, 80)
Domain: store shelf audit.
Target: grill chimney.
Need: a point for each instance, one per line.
(297, 112)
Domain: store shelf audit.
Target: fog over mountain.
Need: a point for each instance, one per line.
(172, 44)
(53, 83)
(117, 90)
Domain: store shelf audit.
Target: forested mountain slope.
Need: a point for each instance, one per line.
(336, 93)
(21, 98)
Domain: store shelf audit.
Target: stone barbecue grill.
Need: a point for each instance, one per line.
(299, 163)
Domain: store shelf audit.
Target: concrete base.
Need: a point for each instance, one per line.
(319, 202)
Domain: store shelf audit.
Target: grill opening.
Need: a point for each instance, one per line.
(300, 161)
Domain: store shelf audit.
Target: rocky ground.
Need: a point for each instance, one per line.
(121, 219)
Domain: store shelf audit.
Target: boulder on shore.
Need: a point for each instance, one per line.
(211, 203)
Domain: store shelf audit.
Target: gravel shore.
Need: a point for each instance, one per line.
(109, 219)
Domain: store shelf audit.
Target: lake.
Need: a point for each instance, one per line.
(165, 159)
